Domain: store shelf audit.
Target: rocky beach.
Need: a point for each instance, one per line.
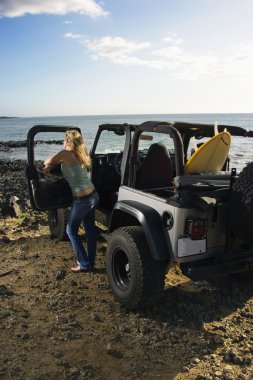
(58, 325)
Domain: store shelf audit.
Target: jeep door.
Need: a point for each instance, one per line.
(52, 191)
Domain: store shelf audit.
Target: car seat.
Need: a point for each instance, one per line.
(156, 170)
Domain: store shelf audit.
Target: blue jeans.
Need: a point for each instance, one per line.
(83, 210)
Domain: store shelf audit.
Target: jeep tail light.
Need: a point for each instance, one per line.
(196, 228)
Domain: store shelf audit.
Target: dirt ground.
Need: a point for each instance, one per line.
(55, 324)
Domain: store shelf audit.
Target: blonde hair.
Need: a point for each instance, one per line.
(75, 142)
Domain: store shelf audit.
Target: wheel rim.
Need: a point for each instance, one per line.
(121, 269)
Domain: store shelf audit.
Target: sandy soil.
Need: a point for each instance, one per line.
(55, 324)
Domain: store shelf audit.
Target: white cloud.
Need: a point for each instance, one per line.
(16, 8)
(114, 49)
(173, 39)
(170, 56)
(168, 52)
(73, 36)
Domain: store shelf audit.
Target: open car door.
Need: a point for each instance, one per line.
(46, 192)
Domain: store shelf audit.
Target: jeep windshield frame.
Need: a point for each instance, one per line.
(119, 129)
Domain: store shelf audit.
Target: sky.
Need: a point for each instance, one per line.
(91, 57)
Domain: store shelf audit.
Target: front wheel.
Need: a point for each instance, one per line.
(135, 278)
(57, 220)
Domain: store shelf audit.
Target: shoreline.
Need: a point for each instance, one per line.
(23, 143)
(9, 117)
(19, 147)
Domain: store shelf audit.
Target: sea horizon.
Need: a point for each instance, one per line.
(16, 129)
(125, 114)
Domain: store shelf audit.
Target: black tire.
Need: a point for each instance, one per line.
(241, 205)
(57, 220)
(135, 278)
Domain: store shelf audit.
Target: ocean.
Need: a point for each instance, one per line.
(16, 129)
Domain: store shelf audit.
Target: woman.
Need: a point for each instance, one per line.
(75, 161)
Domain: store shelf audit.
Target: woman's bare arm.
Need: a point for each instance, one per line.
(54, 160)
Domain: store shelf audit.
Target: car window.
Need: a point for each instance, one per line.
(110, 142)
(47, 144)
(151, 138)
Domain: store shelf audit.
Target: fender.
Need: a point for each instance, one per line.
(151, 221)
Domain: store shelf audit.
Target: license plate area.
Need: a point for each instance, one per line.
(188, 247)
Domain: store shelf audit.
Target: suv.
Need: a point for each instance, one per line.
(155, 213)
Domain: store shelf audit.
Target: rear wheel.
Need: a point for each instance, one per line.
(135, 278)
(57, 220)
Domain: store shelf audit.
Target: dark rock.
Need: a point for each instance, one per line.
(95, 317)
(113, 352)
(10, 209)
(232, 356)
(58, 354)
(5, 292)
(74, 374)
(5, 239)
(60, 274)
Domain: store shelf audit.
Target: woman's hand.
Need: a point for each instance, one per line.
(47, 168)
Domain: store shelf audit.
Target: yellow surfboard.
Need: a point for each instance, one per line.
(210, 156)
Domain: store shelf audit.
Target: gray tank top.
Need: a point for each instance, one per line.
(77, 177)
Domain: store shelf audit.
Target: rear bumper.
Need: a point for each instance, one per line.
(212, 268)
